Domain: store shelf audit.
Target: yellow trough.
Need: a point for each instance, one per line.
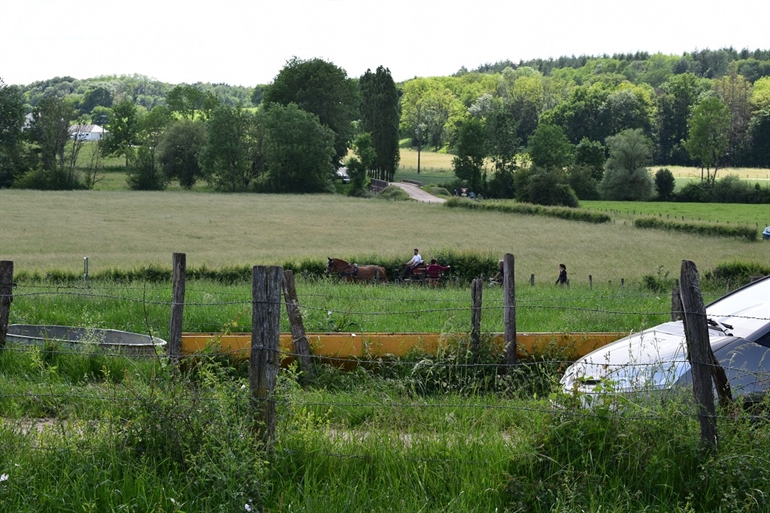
(363, 346)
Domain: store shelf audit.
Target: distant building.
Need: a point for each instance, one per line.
(87, 132)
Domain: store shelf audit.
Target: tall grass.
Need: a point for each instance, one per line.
(376, 439)
(328, 305)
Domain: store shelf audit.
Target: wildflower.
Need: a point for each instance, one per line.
(3, 477)
(248, 507)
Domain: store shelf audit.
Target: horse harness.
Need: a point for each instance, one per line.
(354, 273)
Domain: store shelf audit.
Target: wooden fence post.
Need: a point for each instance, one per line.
(298, 337)
(676, 305)
(590, 282)
(264, 361)
(509, 312)
(476, 288)
(6, 297)
(179, 262)
(532, 280)
(697, 335)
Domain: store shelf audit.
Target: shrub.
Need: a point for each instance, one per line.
(736, 273)
(664, 184)
(716, 230)
(393, 193)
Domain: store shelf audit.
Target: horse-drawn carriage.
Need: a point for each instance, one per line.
(425, 275)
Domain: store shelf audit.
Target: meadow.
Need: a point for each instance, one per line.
(47, 231)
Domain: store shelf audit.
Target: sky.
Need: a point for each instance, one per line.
(247, 42)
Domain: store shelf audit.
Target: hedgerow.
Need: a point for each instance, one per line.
(715, 230)
(570, 214)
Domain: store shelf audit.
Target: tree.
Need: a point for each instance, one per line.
(664, 184)
(228, 157)
(95, 97)
(626, 177)
(187, 100)
(359, 166)
(735, 92)
(298, 150)
(707, 138)
(469, 162)
(321, 88)
(179, 151)
(147, 173)
(11, 134)
(380, 116)
(544, 187)
(123, 130)
(674, 104)
(591, 154)
(502, 137)
(549, 147)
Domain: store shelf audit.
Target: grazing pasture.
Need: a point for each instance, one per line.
(44, 231)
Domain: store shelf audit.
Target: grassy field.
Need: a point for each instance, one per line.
(44, 231)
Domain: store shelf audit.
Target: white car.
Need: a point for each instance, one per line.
(656, 359)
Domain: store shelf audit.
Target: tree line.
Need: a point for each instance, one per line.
(295, 141)
(559, 126)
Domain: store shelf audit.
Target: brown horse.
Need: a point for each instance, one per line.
(355, 272)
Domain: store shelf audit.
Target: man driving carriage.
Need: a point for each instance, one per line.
(415, 262)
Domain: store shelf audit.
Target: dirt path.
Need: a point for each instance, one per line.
(418, 194)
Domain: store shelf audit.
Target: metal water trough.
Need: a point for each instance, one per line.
(74, 337)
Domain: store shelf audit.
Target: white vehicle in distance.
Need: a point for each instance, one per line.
(656, 359)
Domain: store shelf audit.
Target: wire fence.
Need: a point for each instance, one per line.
(473, 381)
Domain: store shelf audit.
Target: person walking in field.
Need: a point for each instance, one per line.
(562, 279)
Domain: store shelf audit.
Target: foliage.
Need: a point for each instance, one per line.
(707, 137)
(298, 150)
(186, 100)
(591, 154)
(380, 116)
(626, 176)
(501, 185)
(729, 189)
(582, 180)
(123, 130)
(321, 88)
(12, 148)
(471, 150)
(549, 148)
(359, 165)
(571, 214)
(551, 188)
(736, 272)
(664, 184)
(718, 230)
(393, 193)
(179, 150)
(146, 173)
(230, 154)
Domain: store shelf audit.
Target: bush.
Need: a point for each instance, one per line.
(716, 230)
(736, 273)
(729, 189)
(664, 184)
(393, 193)
(570, 214)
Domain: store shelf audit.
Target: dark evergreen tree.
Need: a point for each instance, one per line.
(380, 116)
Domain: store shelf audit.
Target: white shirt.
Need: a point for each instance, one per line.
(416, 259)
